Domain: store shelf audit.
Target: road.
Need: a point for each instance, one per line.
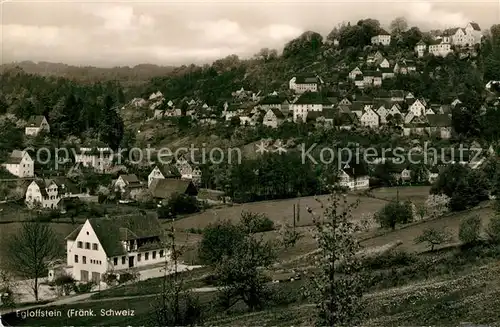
(86, 298)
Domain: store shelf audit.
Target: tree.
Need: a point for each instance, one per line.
(29, 252)
(398, 26)
(175, 306)
(469, 230)
(433, 237)
(219, 240)
(395, 213)
(338, 286)
(240, 275)
(493, 229)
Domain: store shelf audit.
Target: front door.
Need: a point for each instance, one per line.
(130, 262)
(96, 277)
(84, 275)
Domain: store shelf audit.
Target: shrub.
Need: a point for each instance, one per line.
(7, 298)
(469, 230)
(110, 279)
(256, 222)
(65, 284)
(83, 287)
(182, 204)
(128, 276)
(493, 229)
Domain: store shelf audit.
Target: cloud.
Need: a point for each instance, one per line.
(426, 13)
(170, 32)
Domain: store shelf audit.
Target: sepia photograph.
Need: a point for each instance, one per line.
(249, 163)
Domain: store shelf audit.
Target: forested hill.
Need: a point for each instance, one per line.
(129, 75)
(88, 110)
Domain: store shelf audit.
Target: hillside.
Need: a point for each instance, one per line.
(127, 75)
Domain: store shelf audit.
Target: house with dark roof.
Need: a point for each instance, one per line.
(439, 125)
(308, 101)
(47, 193)
(35, 125)
(273, 118)
(163, 189)
(354, 176)
(115, 245)
(20, 164)
(274, 101)
(382, 38)
(162, 171)
(305, 83)
(128, 184)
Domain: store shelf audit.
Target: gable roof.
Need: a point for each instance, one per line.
(35, 121)
(272, 99)
(15, 157)
(355, 170)
(168, 170)
(165, 188)
(306, 79)
(383, 32)
(311, 98)
(277, 113)
(475, 26)
(111, 231)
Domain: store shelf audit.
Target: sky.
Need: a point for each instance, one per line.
(118, 33)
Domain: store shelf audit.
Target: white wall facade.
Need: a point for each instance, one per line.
(26, 168)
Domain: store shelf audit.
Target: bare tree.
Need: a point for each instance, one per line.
(29, 252)
(399, 25)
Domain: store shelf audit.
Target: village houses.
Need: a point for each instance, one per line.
(20, 164)
(128, 184)
(35, 125)
(100, 159)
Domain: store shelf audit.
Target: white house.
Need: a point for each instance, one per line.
(273, 118)
(354, 177)
(162, 172)
(127, 183)
(309, 101)
(440, 48)
(20, 164)
(48, 192)
(420, 48)
(115, 245)
(35, 125)
(100, 159)
(417, 107)
(301, 84)
(370, 118)
(382, 38)
(355, 72)
(188, 171)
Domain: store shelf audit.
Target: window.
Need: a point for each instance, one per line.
(115, 261)
(139, 257)
(161, 254)
(87, 245)
(79, 244)
(146, 256)
(84, 260)
(76, 258)
(123, 260)
(154, 254)
(94, 246)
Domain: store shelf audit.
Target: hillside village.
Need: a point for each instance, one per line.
(428, 95)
